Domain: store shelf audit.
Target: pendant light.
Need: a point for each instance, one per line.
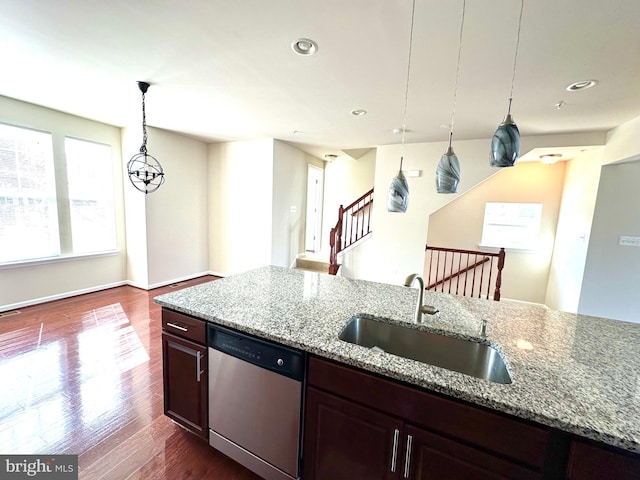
(505, 145)
(448, 169)
(398, 198)
(145, 172)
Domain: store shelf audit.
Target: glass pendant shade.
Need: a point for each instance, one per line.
(448, 172)
(505, 145)
(398, 198)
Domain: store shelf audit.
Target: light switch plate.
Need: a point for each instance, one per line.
(629, 241)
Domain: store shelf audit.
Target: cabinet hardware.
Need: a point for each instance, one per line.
(407, 458)
(394, 456)
(184, 329)
(199, 372)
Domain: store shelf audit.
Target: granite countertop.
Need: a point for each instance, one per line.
(576, 373)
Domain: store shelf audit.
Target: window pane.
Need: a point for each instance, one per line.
(90, 186)
(512, 225)
(28, 209)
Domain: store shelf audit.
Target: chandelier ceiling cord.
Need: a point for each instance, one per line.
(145, 172)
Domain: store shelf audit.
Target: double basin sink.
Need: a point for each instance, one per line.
(464, 356)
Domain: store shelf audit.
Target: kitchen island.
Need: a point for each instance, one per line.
(573, 373)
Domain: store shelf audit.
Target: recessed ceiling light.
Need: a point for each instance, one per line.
(398, 131)
(581, 85)
(445, 125)
(358, 112)
(304, 46)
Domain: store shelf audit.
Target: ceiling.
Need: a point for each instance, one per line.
(225, 70)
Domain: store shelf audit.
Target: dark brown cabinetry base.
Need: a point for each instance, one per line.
(592, 462)
(184, 369)
(360, 426)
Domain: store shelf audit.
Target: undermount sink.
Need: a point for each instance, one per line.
(464, 356)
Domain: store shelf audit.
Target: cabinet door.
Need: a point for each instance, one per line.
(430, 456)
(346, 441)
(591, 462)
(185, 383)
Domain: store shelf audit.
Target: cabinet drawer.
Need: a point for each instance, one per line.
(184, 326)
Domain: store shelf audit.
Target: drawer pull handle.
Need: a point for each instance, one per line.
(198, 370)
(407, 458)
(178, 327)
(394, 456)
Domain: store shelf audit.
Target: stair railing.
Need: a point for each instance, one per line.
(354, 223)
(473, 271)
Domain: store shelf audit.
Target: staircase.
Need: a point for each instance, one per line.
(464, 272)
(312, 262)
(354, 224)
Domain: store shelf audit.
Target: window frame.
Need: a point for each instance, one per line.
(63, 201)
(532, 229)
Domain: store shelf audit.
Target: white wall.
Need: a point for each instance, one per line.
(348, 179)
(612, 272)
(177, 213)
(290, 169)
(572, 235)
(396, 247)
(460, 223)
(135, 214)
(240, 202)
(397, 244)
(31, 283)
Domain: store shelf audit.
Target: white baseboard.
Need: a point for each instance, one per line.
(59, 296)
(175, 280)
(511, 300)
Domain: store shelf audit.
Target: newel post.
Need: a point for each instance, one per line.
(501, 255)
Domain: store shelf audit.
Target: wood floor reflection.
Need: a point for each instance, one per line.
(84, 376)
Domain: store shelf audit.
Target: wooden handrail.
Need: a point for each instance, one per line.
(368, 204)
(355, 202)
(458, 273)
(354, 223)
(451, 277)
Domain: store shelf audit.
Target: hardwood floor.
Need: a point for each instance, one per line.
(84, 376)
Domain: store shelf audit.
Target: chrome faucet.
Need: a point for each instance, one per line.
(420, 308)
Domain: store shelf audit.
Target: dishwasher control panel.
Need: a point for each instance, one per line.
(272, 356)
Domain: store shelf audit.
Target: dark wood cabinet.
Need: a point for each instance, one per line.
(347, 441)
(588, 461)
(184, 368)
(432, 456)
(359, 426)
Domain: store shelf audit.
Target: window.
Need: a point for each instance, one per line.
(28, 208)
(90, 190)
(512, 225)
(54, 205)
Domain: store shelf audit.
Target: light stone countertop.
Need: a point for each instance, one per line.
(581, 376)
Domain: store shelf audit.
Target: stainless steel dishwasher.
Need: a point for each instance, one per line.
(255, 402)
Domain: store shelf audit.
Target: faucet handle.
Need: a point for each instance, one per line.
(429, 309)
(483, 329)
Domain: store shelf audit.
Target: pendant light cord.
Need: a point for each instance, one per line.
(143, 148)
(515, 55)
(455, 88)
(406, 90)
